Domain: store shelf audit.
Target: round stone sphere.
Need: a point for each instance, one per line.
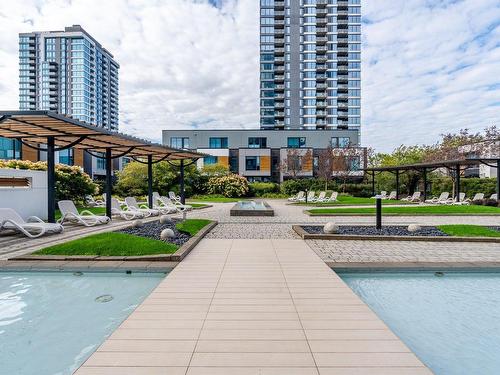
(164, 219)
(137, 223)
(167, 234)
(414, 228)
(330, 228)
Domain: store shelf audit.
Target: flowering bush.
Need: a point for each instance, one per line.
(230, 186)
(71, 181)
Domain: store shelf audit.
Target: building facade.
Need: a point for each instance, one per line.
(310, 64)
(70, 73)
(265, 155)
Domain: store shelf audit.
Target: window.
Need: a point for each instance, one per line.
(354, 163)
(66, 156)
(340, 142)
(296, 142)
(210, 160)
(257, 142)
(179, 142)
(252, 163)
(217, 142)
(10, 149)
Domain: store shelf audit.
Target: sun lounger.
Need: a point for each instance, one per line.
(132, 205)
(320, 198)
(413, 198)
(439, 200)
(477, 197)
(331, 198)
(179, 207)
(310, 197)
(125, 213)
(383, 195)
(32, 227)
(494, 197)
(392, 195)
(91, 202)
(456, 201)
(297, 198)
(69, 213)
(174, 198)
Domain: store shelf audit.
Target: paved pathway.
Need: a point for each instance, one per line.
(252, 307)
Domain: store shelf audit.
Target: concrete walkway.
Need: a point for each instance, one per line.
(253, 307)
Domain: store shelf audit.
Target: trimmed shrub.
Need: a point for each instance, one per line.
(292, 187)
(259, 189)
(230, 186)
(490, 202)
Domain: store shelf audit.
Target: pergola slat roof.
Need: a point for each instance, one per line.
(33, 127)
(438, 164)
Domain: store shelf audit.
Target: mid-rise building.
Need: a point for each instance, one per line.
(70, 73)
(310, 64)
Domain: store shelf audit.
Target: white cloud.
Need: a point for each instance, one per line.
(428, 66)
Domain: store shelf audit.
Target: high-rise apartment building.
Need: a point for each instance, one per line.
(70, 73)
(310, 64)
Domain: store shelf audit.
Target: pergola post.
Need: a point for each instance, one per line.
(109, 182)
(425, 184)
(397, 184)
(181, 187)
(498, 179)
(373, 184)
(457, 183)
(150, 181)
(51, 181)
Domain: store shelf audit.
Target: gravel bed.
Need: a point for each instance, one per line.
(372, 231)
(153, 230)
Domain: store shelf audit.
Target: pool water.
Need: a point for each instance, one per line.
(251, 205)
(50, 323)
(450, 320)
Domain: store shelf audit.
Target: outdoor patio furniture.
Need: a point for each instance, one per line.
(320, 198)
(69, 213)
(383, 195)
(174, 198)
(120, 201)
(333, 197)
(413, 198)
(179, 207)
(439, 200)
(33, 227)
(125, 213)
(477, 197)
(159, 205)
(494, 197)
(132, 205)
(392, 195)
(296, 198)
(91, 202)
(310, 197)
(456, 201)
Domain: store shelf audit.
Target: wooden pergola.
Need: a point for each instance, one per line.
(50, 132)
(423, 168)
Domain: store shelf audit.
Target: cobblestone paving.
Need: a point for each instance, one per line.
(405, 251)
(254, 230)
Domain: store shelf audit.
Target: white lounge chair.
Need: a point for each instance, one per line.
(477, 197)
(310, 197)
(125, 213)
(333, 197)
(132, 205)
(392, 195)
(439, 200)
(69, 213)
(174, 198)
(320, 198)
(164, 208)
(456, 201)
(413, 198)
(91, 202)
(32, 227)
(298, 197)
(121, 202)
(168, 203)
(383, 195)
(494, 197)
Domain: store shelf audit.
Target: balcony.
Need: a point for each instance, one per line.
(321, 40)
(321, 30)
(279, 4)
(279, 60)
(321, 104)
(279, 41)
(279, 105)
(321, 20)
(279, 78)
(321, 113)
(321, 59)
(279, 87)
(321, 95)
(279, 96)
(279, 14)
(320, 67)
(279, 23)
(279, 114)
(279, 51)
(320, 77)
(279, 69)
(321, 86)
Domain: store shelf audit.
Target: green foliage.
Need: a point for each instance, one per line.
(411, 210)
(259, 189)
(230, 186)
(216, 198)
(71, 181)
(469, 186)
(214, 170)
(292, 187)
(133, 179)
(111, 244)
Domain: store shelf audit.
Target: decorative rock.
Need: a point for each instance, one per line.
(166, 234)
(164, 219)
(414, 228)
(137, 223)
(330, 228)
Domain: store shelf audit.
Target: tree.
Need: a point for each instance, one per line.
(325, 165)
(346, 162)
(214, 170)
(296, 162)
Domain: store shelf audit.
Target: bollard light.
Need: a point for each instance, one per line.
(379, 212)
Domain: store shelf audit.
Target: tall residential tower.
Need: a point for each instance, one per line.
(70, 73)
(310, 71)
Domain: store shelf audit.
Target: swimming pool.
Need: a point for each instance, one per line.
(451, 320)
(50, 323)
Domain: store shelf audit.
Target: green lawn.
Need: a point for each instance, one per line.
(122, 244)
(111, 244)
(410, 210)
(94, 210)
(348, 200)
(468, 231)
(213, 198)
(198, 205)
(191, 226)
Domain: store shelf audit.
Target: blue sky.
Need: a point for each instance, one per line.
(429, 66)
